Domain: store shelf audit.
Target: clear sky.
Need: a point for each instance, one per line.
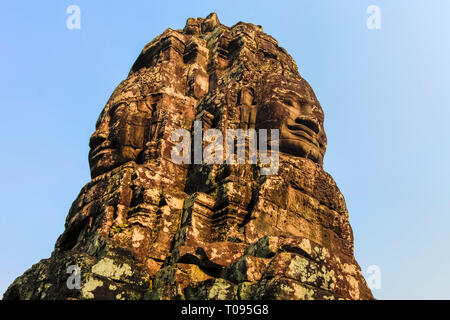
(385, 94)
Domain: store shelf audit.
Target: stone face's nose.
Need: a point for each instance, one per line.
(97, 138)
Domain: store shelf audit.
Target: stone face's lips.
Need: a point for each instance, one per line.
(310, 123)
(304, 132)
(147, 228)
(99, 151)
(95, 155)
(98, 143)
(301, 135)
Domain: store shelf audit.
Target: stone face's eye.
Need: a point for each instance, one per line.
(116, 113)
(288, 102)
(117, 109)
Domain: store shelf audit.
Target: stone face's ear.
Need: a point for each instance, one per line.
(210, 23)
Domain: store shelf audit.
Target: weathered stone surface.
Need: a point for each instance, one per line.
(147, 228)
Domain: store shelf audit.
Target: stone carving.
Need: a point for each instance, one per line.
(248, 109)
(147, 228)
(293, 107)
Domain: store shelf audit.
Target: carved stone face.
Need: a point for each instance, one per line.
(120, 136)
(293, 108)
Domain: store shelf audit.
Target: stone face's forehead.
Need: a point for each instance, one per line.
(278, 81)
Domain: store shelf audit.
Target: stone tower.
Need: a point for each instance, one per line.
(147, 228)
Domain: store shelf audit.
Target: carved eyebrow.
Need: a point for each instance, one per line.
(294, 95)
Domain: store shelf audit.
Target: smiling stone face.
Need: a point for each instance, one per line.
(120, 136)
(294, 110)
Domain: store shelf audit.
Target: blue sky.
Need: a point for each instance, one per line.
(385, 94)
